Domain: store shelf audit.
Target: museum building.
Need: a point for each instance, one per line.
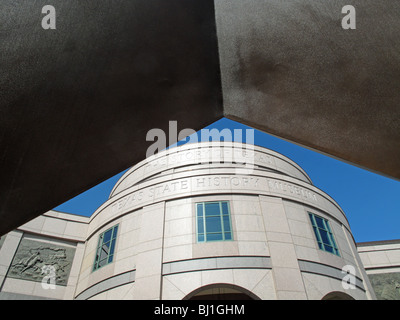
(201, 221)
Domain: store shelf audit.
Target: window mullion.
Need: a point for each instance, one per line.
(221, 220)
(100, 248)
(319, 238)
(327, 243)
(216, 230)
(203, 214)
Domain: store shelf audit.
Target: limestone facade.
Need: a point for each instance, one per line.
(270, 252)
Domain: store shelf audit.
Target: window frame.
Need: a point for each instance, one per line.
(100, 242)
(317, 234)
(221, 215)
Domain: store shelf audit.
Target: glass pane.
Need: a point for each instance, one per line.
(200, 237)
(320, 222)
(225, 209)
(200, 225)
(115, 232)
(320, 246)
(107, 235)
(324, 236)
(106, 246)
(212, 209)
(228, 236)
(213, 224)
(103, 255)
(112, 247)
(332, 240)
(329, 248)
(102, 263)
(214, 236)
(317, 234)
(328, 226)
(227, 224)
(199, 209)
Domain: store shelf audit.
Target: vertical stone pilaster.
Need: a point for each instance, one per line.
(149, 258)
(285, 269)
(7, 252)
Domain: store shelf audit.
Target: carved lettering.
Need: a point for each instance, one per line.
(286, 187)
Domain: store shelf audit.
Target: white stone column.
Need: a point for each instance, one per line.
(74, 272)
(285, 268)
(149, 257)
(7, 252)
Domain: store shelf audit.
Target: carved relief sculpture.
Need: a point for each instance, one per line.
(386, 285)
(32, 256)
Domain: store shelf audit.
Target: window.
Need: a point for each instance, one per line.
(323, 233)
(213, 221)
(105, 248)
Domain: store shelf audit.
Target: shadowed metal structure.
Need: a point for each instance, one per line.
(76, 102)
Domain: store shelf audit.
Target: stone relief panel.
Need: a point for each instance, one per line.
(33, 258)
(386, 285)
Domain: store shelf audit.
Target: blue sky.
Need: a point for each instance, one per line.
(371, 201)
